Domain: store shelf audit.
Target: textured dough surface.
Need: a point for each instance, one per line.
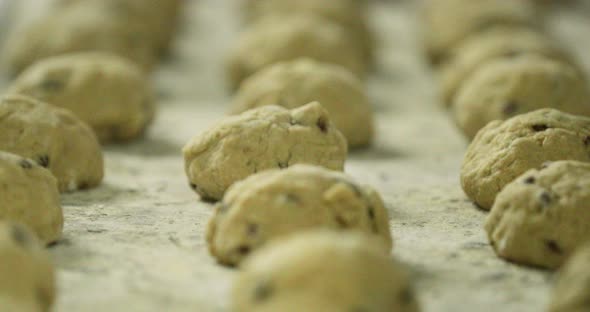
(80, 28)
(106, 91)
(28, 278)
(498, 42)
(29, 195)
(54, 138)
(323, 271)
(448, 22)
(275, 39)
(296, 83)
(264, 138)
(507, 87)
(503, 150)
(542, 217)
(281, 202)
(572, 290)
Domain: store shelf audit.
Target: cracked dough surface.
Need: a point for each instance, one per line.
(254, 211)
(296, 83)
(323, 271)
(507, 87)
(503, 150)
(542, 217)
(572, 289)
(263, 138)
(106, 91)
(274, 39)
(28, 278)
(54, 138)
(29, 195)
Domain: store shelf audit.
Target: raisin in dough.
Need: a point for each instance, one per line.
(28, 277)
(106, 91)
(253, 211)
(507, 87)
(498, 42)
(349, 13)
(572, 290)
(274, 39)
(52, 137)
(542, 217)
(296, 83)
(504, 150)
(448, 22)
(80, 28)
(323, 271)
(264, 138)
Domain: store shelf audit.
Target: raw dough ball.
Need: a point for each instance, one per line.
(504, 150)
(80, 28)
(263, 138)
(296, 83)
(254, 210)
(29, 195)
(106, 91)
(274, 39)
(323, 271)
(349, 13)
(572, 290)
(52, 137)
(507, 87)
(28, 278)
(543, 216)
(498, 42)
(448, 22)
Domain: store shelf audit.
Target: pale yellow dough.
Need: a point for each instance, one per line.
(572, 289)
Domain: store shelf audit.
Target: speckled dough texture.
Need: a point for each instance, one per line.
(572, 290)
(28, 278)
(507, 87)
(446, 23)
(264, 138)
(323, 271)
(54, 138)
(542, 217)
(29, 195)
(274, 39)
(106, 91)
(498, 42)
(504, 150)
(352, 14)
(296, 83)
(79, 28)
(254, 211)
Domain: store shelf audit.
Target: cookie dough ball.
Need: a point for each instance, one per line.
(253, 211)
(28, 277)
(504, 150)
(349, 13)
(29, 196)
(106, 91)
(275, 39)
(264, 138)
(448, 22)
(508, 87)
(296, 83)
(52, 137)
(572, 290)
(498, 42)
(542, 217)
(80, 28)
(323, 271)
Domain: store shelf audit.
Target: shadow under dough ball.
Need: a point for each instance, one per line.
(296, 83)
(106, 91)
(503, 150)
(54, 138)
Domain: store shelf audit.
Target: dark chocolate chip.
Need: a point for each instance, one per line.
(43, 161)
(341, 222)
(193, 186)
(530, 180)
(20, 236)
(371, 213)
(587, 141)
(540, 128)
(243, 250)
(545, 198)
(553, 246)
(283, 165)
(322, 123)
(25, 164)
(263, 291)
(510, 108)
(52, 85)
